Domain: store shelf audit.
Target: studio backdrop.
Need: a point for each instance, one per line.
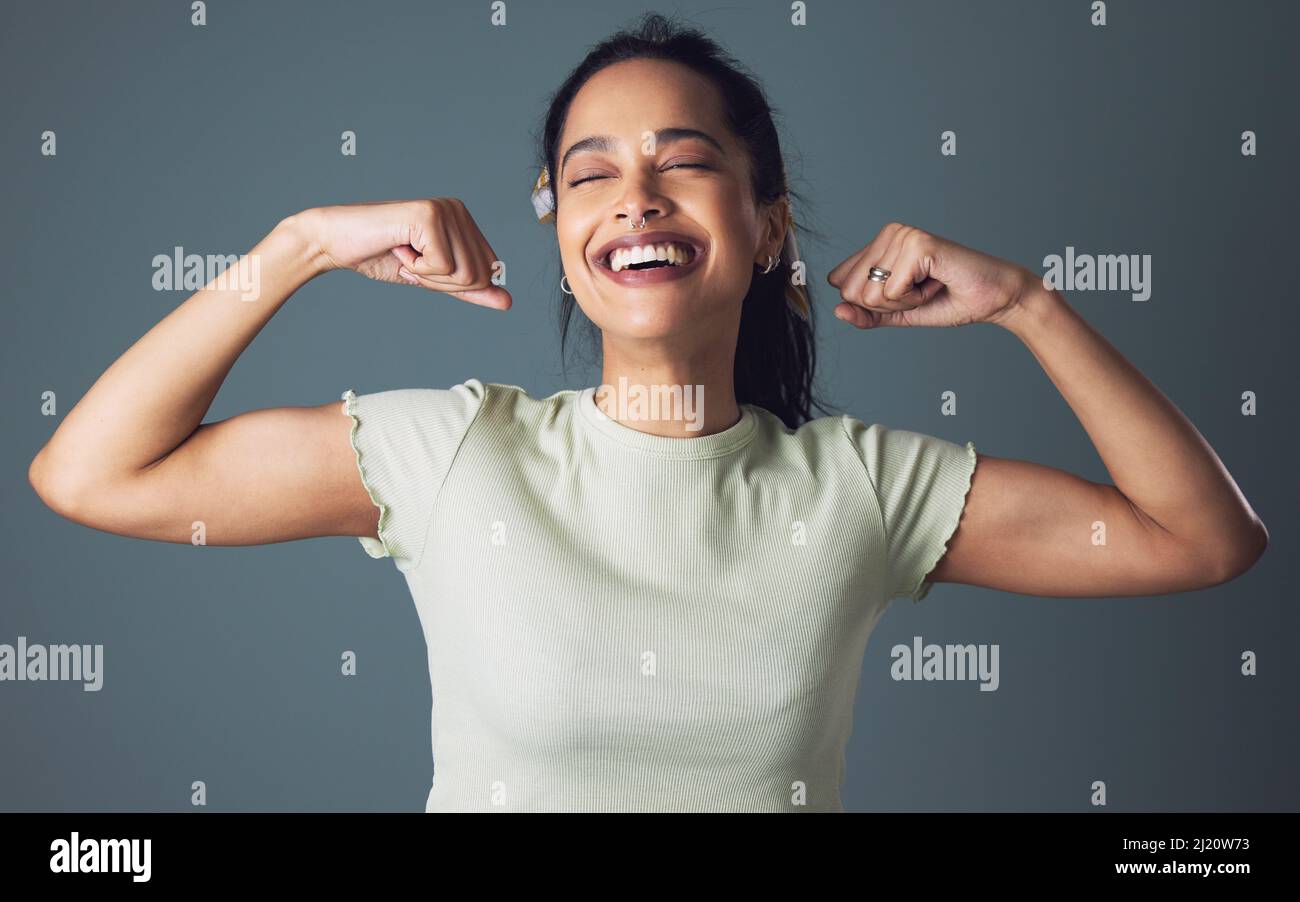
(293, 676)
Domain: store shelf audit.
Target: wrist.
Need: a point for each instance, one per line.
(297, 232)
(1033, 310)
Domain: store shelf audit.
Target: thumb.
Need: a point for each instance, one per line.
(406, 254)
(493, 296)
(890, 318)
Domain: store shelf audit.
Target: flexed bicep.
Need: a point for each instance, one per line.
(1038, 530)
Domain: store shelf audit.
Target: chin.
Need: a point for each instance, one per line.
(647, 325)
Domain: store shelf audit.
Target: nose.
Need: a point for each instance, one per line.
(640, 200)
(636, 218)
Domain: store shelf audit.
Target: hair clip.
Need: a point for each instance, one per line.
(544, 197)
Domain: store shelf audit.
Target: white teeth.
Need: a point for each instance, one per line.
(623, 257)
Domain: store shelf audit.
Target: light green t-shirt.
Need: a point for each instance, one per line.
(619, 621)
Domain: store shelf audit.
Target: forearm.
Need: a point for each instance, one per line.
(157, 393)
(1154, 454)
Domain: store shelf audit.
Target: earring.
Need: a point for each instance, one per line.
(564, 281)
(771, 264)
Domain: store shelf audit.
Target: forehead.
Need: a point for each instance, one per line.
(627, 99)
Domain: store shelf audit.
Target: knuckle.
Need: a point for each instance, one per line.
(437, 263)
(467, 277)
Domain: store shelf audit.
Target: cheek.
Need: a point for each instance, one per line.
(732, 225)
(573, 250)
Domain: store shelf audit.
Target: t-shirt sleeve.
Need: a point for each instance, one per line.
(405, 441)
(921, 483)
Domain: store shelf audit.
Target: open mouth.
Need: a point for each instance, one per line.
(650, 256)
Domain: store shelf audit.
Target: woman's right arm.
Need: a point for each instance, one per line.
(133, 457)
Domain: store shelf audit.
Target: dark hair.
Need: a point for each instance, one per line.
(776, 353)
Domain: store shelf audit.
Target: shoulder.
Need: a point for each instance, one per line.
(816, 436)
(470, 389)
(516, 405)
(888, 452)
(893, 459)
(820, 448)
(414, 412)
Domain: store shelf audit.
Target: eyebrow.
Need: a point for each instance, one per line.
(606, 143)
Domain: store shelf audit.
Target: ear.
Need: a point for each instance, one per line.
(775, 225)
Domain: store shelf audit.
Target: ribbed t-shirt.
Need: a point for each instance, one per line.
(620, 621)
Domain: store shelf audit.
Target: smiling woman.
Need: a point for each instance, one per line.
(639, 613)
(695, 159)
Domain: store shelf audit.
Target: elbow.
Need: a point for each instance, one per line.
(1247, 549)
(38, 476)
(55, 489)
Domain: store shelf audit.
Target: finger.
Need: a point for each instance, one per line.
(854, 280)
(415, 265)
(473, 249)
(405, 254)
(408, 259)
(862, 288)
(448, 253)
(466, 276)
(487, 256)
(494, 296)
(469, 252)
(414, 279)
(837, 275)
(908, 265)
(841, 273)
(910, 283)
(855, 315)
(436, 261)
(464, 252)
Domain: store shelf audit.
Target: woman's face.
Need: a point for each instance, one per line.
(681, 181)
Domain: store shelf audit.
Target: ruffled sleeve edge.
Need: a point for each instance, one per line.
(381, 547)
(951, 520)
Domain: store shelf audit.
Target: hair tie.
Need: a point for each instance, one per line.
(796, 296)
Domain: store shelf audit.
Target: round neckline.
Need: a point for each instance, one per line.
(691, 448)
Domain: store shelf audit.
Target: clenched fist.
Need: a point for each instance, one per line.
(931, 282)
(433, 243)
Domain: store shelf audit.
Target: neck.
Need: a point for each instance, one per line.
(651, 391)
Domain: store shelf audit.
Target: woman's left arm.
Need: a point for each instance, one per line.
(1173, 520)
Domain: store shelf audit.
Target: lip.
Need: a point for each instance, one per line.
(658, 274)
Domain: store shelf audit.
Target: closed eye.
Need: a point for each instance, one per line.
(590, 178)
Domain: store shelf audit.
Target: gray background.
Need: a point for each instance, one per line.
(222, 664)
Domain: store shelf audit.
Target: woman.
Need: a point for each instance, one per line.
(627, 606)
